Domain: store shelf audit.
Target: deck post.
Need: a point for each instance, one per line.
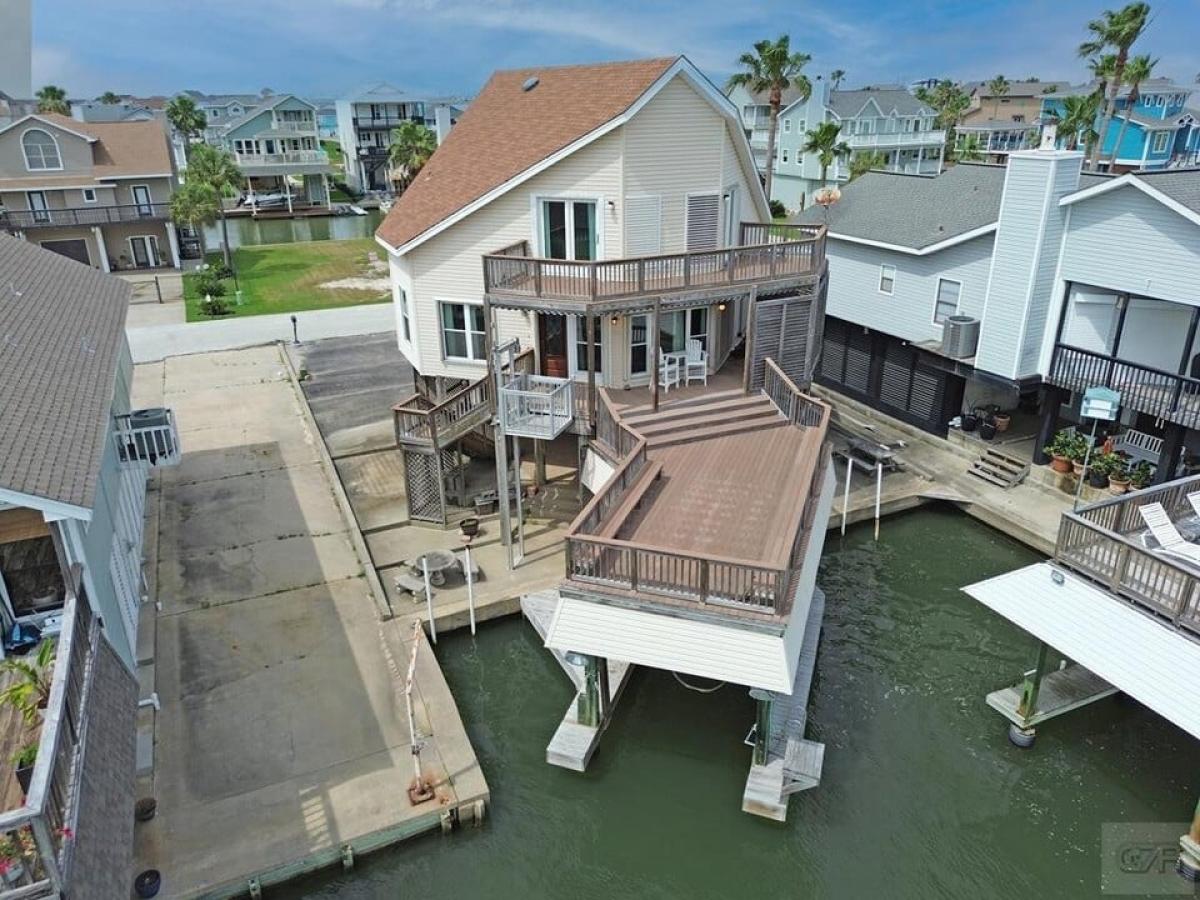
(539, 462)
(1052, 398)
(587, 708)
(654, 350)
(1023, 735)
(591, 370)
(604, 689)
(501, 443)
(748, 364)
(762, 729)
(1189, 850)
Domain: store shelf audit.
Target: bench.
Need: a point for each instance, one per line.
(410, 584)
(1138, 445)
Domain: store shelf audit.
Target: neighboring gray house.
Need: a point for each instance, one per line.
(73, 465)
(1072, 280)
(888, 120)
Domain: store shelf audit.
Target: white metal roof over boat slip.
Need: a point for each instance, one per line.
(1144, 658)
(671, 643)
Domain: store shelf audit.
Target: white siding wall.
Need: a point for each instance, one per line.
(908, 313)
(450, 265)
(673, 147)
(1128, 241)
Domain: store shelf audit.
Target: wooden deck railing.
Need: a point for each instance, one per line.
(1156, 392)
(1102, 542)
(597, 556)
(784, 251)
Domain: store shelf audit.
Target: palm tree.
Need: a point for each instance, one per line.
(864, 161)
(968, 150)
(216, 168)
(949, 101)
(109, 98)
(772, 68)
(196, 204)
(186, 119)
(825, 141)
(1116, 31)
(997, 87)
(1079, 119)
(53, 99)
(835, 78)
(1137, 70)
(412, 145)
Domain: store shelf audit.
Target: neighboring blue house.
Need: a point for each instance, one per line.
(1163, 132)
(887, 119)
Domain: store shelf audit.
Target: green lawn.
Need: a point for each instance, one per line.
(280, 278)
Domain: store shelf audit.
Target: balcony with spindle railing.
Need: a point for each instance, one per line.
(25, 219)
(1108, 543)
(1156, 392)
(603, 563)
(778, 254)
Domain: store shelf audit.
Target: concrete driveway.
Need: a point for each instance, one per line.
(282, 733)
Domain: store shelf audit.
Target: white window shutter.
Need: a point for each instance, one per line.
(643, 225)
(703, 222)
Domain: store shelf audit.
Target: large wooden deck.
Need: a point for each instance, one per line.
(711, 503)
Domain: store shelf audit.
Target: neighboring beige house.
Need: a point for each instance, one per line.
(98, 193)
(581, 163)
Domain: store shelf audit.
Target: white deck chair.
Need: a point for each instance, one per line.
(668, 371)
(696, 362)
(1167, 535)
(1194, 499)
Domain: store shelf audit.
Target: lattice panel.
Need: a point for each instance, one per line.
(422, 477)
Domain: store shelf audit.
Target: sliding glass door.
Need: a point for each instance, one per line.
(675, 329)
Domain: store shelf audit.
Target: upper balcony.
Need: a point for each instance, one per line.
(710, 509)
(294, 161)
(1109, 543)
(767, 254)
(24, 219)
(365, 122)
(895, 139)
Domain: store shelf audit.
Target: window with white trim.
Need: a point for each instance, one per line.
(787, 126)
(405, 324)
(783, 154)
(887, 279)
(41, 150)
(89, 195)
(1160, 142)
(946, 302)
(462, 331)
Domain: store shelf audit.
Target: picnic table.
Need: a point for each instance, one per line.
(439, 562)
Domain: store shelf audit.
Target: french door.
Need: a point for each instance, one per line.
(37, 203)
(569, 229)
(675, 329)
(145, 251)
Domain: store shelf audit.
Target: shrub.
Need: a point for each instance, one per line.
(778, 210)
(208, 282)
(216, 304)
(221, 270)
(1140, 474)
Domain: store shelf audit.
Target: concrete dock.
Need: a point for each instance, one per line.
(281, 743)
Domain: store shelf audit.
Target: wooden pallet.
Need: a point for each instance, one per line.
(999, 468)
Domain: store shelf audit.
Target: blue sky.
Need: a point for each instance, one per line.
(323, 47)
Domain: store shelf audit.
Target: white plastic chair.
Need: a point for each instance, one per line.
(1168, 536)
(668, 371)
(1194, 499)
(696, 362)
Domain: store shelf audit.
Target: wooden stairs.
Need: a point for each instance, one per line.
(701, 418)
(999, 469)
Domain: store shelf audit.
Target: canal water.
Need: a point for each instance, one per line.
(922, 795)
(244, 231)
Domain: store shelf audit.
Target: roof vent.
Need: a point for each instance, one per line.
(530, 83)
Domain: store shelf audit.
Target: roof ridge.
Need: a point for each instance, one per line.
(643, 60)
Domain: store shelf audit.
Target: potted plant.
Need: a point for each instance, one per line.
(29, 691)
(14, 847)
(23, 760)
(987, 428)
(970, 421)
(1060, 452)
(1118, 476)
(1097, 475)
(1140, 475)
(1003, 420)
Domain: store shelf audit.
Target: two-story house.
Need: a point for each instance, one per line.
(97, 192)
(997, 124)
(1062, 279)
(74, 459)
(277, 147)
(365, 119)
(1162, 132)
(885, 120)
(586, 243)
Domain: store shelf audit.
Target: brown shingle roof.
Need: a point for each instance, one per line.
(506, 130)
(122, 148)
(62, 327)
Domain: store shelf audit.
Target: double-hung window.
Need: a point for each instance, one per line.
(581, 355)
(405, 323)
(887, 279)
(946, 302)
(1160, 142)
(462, 331)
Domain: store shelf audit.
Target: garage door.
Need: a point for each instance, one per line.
(76, 249)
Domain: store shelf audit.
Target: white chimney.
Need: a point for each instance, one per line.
(441, 123)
